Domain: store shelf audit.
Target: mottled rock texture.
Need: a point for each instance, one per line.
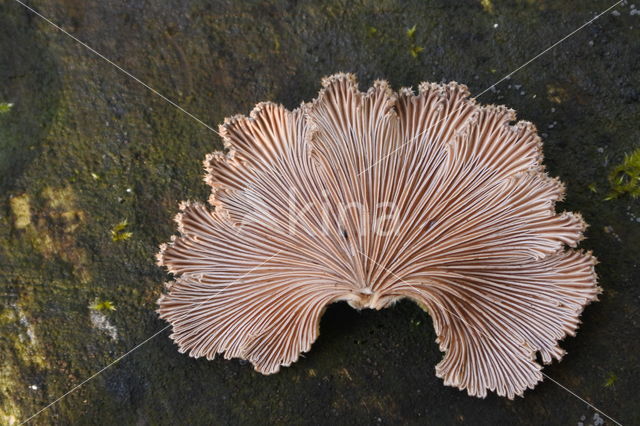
(85, 147)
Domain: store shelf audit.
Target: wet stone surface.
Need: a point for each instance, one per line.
(85, 147)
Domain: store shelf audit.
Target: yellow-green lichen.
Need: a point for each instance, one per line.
(59, 198)
(556, 94)
(487, 6)
(50, 222)
(26, 353)
(21, 209)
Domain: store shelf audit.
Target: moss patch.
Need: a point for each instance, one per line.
(625, 177)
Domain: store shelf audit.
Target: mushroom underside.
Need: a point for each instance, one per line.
(373, 197)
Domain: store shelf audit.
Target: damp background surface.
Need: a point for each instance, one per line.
(85, 147)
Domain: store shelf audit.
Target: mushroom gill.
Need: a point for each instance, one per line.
(369, 198)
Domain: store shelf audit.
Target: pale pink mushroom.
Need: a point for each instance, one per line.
(373, 197)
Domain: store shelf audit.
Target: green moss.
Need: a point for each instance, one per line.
(611, 380)
(414, 51)
(625, 177)
(411, 33)
(5, 107)
(119, 232)
(103, 305)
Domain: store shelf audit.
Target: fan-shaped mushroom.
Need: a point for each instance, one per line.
(373, 197)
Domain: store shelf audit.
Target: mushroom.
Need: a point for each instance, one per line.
(373, 197)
